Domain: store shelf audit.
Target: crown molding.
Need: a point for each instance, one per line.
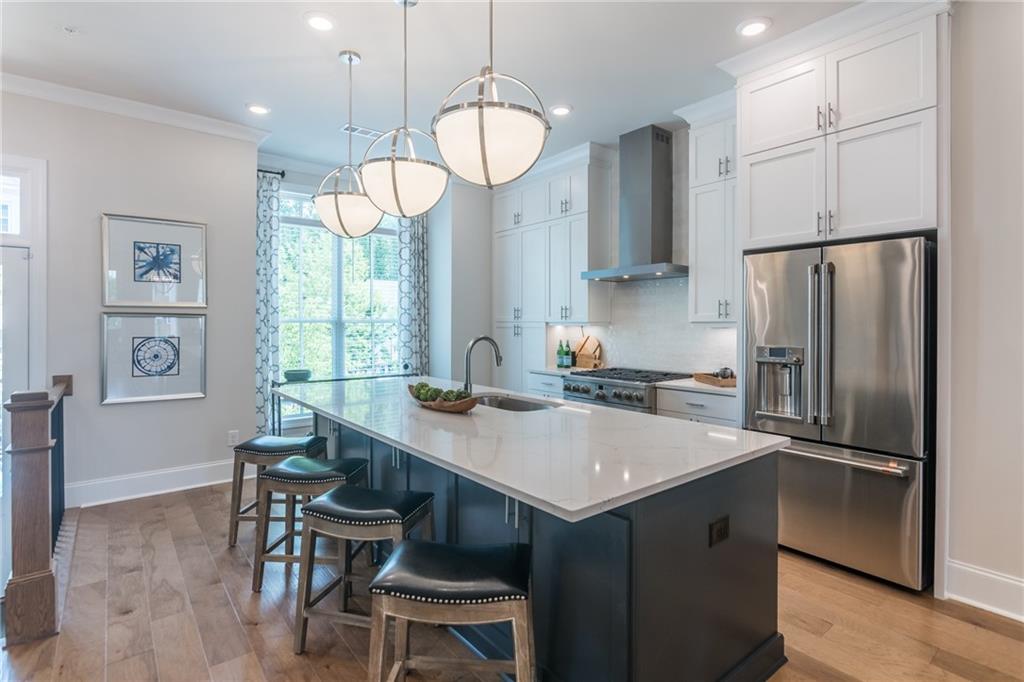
(828, 30)
(290, 165)
(584, 153)
(711, 109)
(63, 94)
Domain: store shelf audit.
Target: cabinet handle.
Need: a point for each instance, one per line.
(819, 222)
(831, 112)
(818, 119)
(506, 510)
(726, 165)
(719, 308)
(831, 217)
(515, 515)
(719, 166)
(696, 404)
(726, 302)
(568, 311)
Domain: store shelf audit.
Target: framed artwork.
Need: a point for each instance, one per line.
(153, 357)
(151, 262)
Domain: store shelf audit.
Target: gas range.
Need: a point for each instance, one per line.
(631, 389)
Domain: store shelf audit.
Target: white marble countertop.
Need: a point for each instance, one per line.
(573, 461)
(694, 385)
(554, 371)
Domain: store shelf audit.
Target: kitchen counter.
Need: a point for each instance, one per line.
(694, 385)
(555, 371)
(571, 461)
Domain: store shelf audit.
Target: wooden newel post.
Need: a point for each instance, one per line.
(31, 597)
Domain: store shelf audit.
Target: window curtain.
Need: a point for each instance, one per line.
(412, 295)
(268, 230)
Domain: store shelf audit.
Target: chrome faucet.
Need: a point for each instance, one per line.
(468, 385)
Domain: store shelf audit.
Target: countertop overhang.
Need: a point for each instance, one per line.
(573, 461)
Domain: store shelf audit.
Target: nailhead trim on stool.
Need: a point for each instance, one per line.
(380, 522)
(301, 481)
(413, 597)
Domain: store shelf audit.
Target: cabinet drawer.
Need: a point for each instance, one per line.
(698, 418)
(545, 383)
(699, 404)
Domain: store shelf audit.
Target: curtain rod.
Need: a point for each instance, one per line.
(271, 172)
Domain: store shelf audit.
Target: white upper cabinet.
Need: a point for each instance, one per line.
(505, 209)
(568, 192)
(570, 297)
(782, 108)
(883, 177)
(506, 287)
(782, 195)
(707, 252)
(533, 203)
(560, 280)
(534, 255)
(883, 76)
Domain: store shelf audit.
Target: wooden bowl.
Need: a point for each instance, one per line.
(453, 406)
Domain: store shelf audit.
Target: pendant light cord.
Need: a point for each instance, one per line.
(405, 64)
(350, 110)
(490, 54)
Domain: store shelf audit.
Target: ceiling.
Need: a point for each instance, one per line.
(620, 65)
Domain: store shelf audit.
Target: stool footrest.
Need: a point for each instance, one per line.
(342, 616)
(295, 558)
(471, 665)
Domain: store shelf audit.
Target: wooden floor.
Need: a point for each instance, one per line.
(156, 594)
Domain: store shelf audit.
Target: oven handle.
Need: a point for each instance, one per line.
(897, 471)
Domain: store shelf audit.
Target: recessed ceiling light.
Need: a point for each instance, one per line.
(257, 109)
(561, 109)
(318, 21)
(753, 27)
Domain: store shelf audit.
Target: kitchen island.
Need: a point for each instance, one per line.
(654, 539)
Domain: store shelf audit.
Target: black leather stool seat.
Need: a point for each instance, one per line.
(453, 574)
(308, 470)
(366, 507)
(278, 446)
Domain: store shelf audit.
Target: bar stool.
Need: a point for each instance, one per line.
(293, 477)
(264, 451)
(348, 514)
(452, 585)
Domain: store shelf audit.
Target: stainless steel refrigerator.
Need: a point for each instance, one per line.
(839, 356)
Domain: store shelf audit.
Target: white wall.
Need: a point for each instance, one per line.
(101, 162)
(459, 262)
(986, 494)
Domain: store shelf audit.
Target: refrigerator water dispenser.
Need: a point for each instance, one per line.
(780, 382)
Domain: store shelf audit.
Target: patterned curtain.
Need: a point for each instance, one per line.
(412, 295)
(267, 236)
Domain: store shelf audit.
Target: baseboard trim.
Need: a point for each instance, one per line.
(986, 589)
(130, 486)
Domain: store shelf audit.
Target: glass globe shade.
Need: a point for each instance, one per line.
(403, 183)
(487, 140)
(344, 209)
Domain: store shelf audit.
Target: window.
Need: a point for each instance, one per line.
(10, 204)
(338, 297)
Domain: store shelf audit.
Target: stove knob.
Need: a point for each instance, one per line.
(627, 395)
(585, 389)
(637, 397)
(572, 387)
(600, 395)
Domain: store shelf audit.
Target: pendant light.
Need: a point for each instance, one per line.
(486, 139)
(345, 209)
(400, 177)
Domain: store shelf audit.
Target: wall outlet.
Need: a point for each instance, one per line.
(233, 437)
(718, 531)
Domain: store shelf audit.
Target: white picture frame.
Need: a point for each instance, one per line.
(152, 262)
(152, 356)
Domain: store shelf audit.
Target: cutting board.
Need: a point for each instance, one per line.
(712, 380)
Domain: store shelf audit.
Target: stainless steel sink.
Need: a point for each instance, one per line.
(506, 402)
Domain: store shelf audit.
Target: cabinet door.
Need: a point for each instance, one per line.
(782, 108)
(559, 269)
(505, 210)
(730, 148)
(707, 252)
(388, 469)
(782, 195)
(427, 477)
(883, 177)
(533, 342)
(707, 154)
(506, 260)
(534, 274)
(729, 307)
(534, 202)
(509, 375)
(582, 307)
(886, 75)
(577, 197)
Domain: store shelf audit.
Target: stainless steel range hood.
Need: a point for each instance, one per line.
(645, 209)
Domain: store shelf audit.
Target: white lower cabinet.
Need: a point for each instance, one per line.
(883, 177)
(711, 408)
(506, 280)
(533, 259)
(523, 348)
(544, 384)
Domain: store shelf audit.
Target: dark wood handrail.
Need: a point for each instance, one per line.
(37, 503)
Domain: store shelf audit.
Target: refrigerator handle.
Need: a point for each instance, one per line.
(811, 367)
(827, 270)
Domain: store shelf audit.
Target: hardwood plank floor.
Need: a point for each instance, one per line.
(155, 593)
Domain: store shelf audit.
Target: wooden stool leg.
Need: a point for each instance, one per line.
(378, 630)
(522, 631)
(237, 479)
(401, 646)
(305, 587)
(289, 524)
(428, 526)
(345, 568)
(263, 495)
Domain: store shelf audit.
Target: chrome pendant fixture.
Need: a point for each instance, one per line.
(344, 208)
(487, 139)
(402, 171)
